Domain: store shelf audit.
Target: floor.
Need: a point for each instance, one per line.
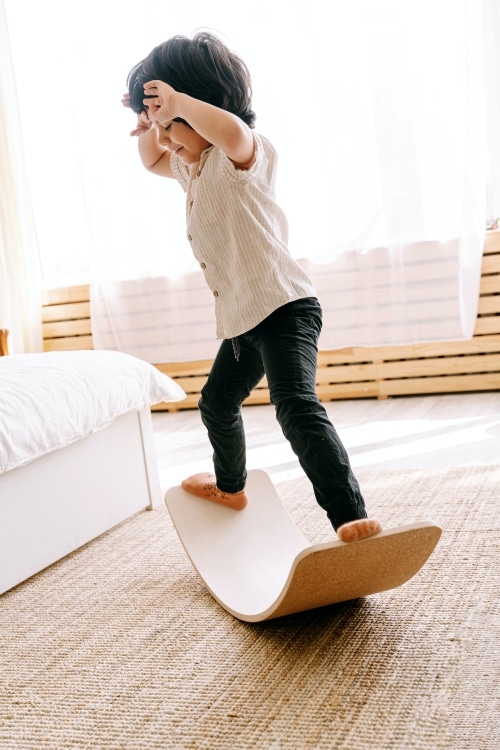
(396, 433)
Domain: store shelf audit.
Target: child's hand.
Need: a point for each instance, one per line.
(161, 105)
(143, 124)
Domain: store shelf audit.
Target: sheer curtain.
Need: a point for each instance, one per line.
(20, 295)
(378, 111)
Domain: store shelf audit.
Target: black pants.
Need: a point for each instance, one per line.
(284, 348)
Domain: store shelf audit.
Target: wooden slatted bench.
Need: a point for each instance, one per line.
(357, 372)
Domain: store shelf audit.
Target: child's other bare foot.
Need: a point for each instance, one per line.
(204, 485)
(360, 529)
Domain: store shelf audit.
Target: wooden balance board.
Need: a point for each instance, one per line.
(258, 565)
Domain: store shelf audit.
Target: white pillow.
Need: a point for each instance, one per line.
(52, 399)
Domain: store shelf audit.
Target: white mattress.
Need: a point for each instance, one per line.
(50, 400)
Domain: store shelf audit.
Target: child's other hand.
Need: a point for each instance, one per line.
(143, 122)
(143, 125)
(161, 103)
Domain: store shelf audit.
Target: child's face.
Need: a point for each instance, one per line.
(181, 140)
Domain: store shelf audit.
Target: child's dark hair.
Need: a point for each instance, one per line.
(202, 67)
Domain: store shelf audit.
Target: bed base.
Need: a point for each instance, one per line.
(56, 504)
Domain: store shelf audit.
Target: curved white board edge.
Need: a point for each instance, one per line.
(302, 549)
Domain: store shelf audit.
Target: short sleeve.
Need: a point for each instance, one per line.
(180, 171)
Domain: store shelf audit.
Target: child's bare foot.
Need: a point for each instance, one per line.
(205, 485)
(360, 529)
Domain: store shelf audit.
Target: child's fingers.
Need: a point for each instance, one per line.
(143, 124)
(152, 104)
(152, 92)
(139, 130)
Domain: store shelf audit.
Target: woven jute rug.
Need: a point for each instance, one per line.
(120, 646)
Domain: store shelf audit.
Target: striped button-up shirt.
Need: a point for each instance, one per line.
(239, 236)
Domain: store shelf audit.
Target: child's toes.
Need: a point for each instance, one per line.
(360, 529)
(204, 485)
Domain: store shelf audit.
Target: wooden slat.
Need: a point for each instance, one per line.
(351, 354)
(71, 311)
(346, 373)
(450, 384)
(489, 305)
(424, 368)
(66, 294)
(490, 284)
(487, 325)
(492, 242)
(180, 369)
(478, 345)
(68, 344)
(491, 263)
(65, 328)
(348, 390)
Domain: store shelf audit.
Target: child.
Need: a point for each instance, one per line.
(195, 124)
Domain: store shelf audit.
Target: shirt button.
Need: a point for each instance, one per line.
(198, 174)
(203, 265)
(189, 237)
(216, 294)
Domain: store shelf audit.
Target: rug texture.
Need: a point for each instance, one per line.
(119, 646)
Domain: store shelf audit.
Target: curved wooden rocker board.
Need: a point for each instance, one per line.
(258, 565)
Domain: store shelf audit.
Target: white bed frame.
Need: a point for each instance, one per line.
(52, 506)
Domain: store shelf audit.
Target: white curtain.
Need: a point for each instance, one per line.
(378, 109)
(20, 288)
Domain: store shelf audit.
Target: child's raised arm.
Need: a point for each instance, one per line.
(154, 157)
(219, 127)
